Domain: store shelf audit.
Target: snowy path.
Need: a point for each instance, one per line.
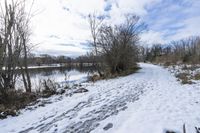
(148, 101)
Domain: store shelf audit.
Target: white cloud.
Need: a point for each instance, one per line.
(55, 21)
(179, 20)
(84, 7)
(190, 29)
(152, 37)
(64, 21)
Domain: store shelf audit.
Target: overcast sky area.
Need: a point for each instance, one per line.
(60, 27)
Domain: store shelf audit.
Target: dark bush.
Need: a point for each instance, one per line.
(13, 101)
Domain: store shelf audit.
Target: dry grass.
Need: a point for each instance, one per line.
(197, 76)
(190, 67)
(11, 101)
(109, 75)
(185, 78)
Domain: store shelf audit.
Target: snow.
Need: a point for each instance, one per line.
(166, 105)
(190, 70)
(151, 100)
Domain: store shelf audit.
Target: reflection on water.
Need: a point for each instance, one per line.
(58, 74)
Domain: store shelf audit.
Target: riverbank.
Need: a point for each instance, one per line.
(12, 101)
(150, 100)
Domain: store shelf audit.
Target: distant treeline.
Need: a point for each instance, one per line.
(181, 51)
(49, 60)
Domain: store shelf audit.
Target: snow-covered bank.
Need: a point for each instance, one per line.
(149, 101)
(184, 72)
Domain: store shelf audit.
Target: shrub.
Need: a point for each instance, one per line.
(13, 101)
(184, 77)
(197, 76)
(49, 87)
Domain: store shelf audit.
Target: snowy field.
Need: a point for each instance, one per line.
(150, 101)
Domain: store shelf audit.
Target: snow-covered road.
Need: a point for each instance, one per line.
(150, 101)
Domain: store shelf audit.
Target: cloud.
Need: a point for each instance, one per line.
(108, 7)
(190, 29)
(174, 19)
(151, 37)
(59, 52)
(62, 26)
(65, 44)
(65, 22)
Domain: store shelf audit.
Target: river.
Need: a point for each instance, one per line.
(57, 74)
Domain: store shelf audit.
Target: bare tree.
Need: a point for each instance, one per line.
(182, 51)
(14, 37)
(118, 43)
(95, 23)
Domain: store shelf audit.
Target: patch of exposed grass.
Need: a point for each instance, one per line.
(108, 75)
(197, 76)
(190, 67)
(185, 78)
(186, 82)
(95, 78)
(166, 64)
(12, 100)
(130, 71)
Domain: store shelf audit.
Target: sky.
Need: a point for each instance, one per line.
(60, 27)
